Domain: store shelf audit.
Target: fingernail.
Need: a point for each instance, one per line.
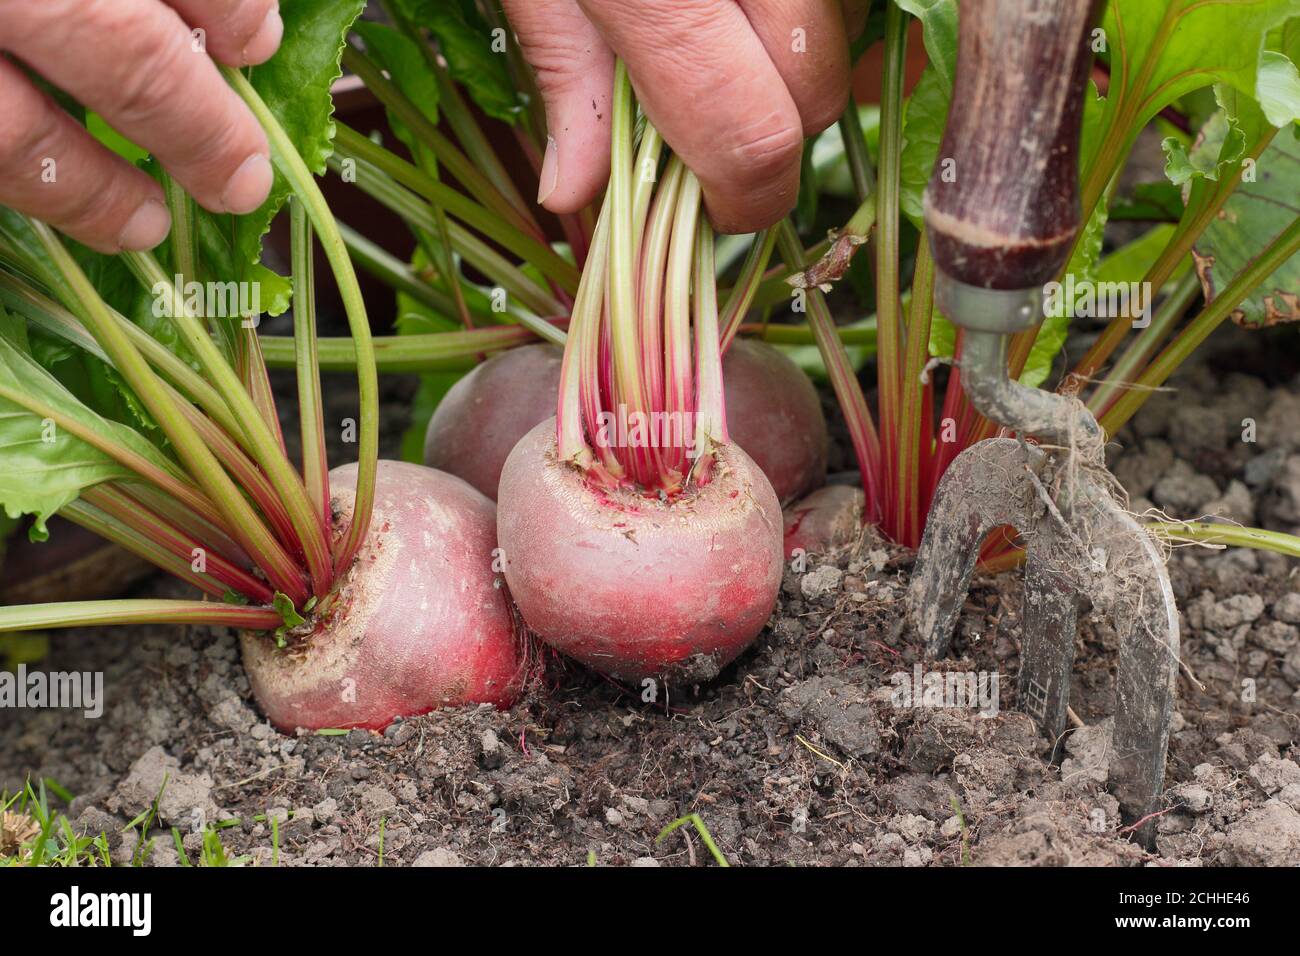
(250, 185)
(147, 227)
(550, 171)
(266, 40)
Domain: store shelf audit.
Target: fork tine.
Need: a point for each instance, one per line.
(985, 487)
(1050, 625)
(1146, 617)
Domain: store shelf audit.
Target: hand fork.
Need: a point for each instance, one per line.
(1002, 216)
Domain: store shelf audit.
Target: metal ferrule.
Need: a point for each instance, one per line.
(989, 318)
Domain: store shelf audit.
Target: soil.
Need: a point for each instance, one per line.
(796, 754)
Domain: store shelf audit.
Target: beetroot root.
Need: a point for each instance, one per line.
(483, 416)
(632, 586)
(827, 518)
(420, 621)
(773, 412)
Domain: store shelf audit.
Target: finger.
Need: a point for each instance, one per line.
(55, 171)
(237, 32)
(808, 47)
(154, 88)
(575, 72)
(706, 82)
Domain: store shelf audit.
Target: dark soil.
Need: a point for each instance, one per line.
(795, 755)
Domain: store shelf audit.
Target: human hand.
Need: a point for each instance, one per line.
(734, 86)
(139, 65)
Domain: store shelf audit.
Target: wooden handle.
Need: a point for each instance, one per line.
(1002, 207)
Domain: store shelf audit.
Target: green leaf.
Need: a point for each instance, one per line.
(1150, 202)
(1130, 262)
(1222, 143)
(475, 55)
(1256, 212)
(274, 291)
(1093, 126)
(295, 84)
(927, 108)
(21, 648)
(48, 350)
(1050, 340)
(284, 604)
(1278, 88)
(100, 388)
(923, 124)
(400, 56)
(87, 378)
(29, 258)
(110, 276)
(939, 29)
(1083, 260)
(43, 467)
(13, 330)
(215, 238)
(943, 337)
(1160, 52)
(406, 66)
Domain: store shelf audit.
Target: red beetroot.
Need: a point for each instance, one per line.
(634, 586)
(773, 412)
(483, 416)
(420, 620)
(827, 518)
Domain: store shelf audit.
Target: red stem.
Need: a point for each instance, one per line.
(178, 516)
(258, 383)
(246, 474)
(117, 505)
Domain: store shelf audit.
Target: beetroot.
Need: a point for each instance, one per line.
(420, 620)
(638, 538)
(773, 413)
(825, 519)
(634, 586)
(483, 416)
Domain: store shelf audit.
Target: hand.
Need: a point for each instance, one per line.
(734, 86)
(138, 64)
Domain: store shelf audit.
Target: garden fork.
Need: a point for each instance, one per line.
(1002, 215)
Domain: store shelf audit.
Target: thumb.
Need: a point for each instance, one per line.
(575, 72)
